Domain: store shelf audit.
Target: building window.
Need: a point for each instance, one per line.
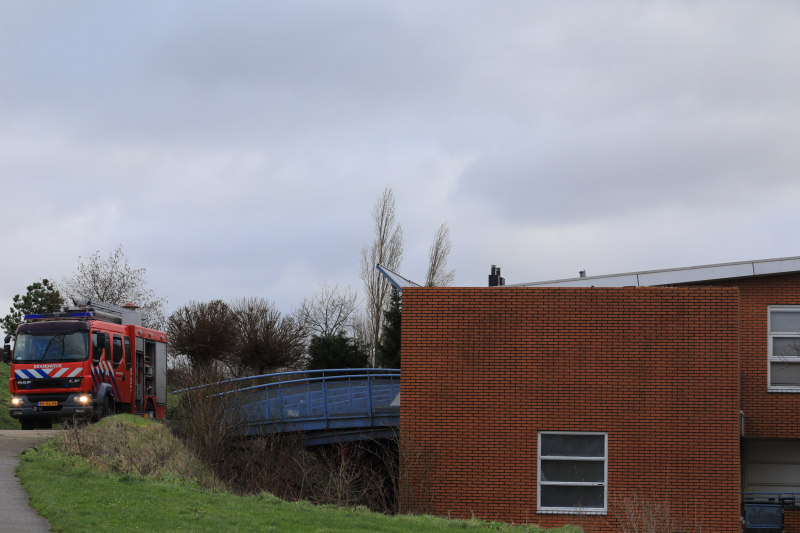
(573, 469)
(784, 348)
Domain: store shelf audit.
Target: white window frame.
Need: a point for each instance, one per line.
(540, 483)
(771, 358)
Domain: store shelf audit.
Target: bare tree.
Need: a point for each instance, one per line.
(362, 329)
(114, 281)
(267, 341)
(203, 332)
(329, 312)
(439, 252)
(386, 250)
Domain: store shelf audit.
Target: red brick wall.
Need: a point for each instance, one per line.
(484, 370)
(791, 521)
(767, 414)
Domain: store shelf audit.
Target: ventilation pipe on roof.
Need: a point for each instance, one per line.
(494, 278)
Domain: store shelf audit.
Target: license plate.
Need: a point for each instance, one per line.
(47, 404)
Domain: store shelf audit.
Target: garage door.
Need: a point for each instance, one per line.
(772, 465)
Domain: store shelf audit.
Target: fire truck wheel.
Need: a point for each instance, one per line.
(27, 423)
(109, 406)
(103, 411)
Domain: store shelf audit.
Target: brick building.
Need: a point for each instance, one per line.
(575, 400)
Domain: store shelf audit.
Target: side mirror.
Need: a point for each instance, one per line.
(8, 339)
(7, 352)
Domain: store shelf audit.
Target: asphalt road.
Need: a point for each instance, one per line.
(17, 515)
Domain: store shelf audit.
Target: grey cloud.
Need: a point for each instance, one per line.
(239, 147)
(584, 171)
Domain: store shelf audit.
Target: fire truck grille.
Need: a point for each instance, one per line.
(49, 383)
(48, 397)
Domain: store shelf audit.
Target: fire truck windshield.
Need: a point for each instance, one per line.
(51, 346)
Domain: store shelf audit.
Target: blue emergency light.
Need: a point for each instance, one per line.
(43, 316)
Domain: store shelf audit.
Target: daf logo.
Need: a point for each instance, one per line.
(23, 382)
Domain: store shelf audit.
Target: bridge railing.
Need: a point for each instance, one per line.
(317, 374)
(315, 400)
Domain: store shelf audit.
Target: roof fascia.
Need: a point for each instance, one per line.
(677, 276)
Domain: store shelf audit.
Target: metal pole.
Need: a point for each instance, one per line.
(280, 404)
(325, 403)
(369, 399)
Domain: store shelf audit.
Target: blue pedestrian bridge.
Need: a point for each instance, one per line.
(323, 406)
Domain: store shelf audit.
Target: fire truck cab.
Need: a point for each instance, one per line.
(89, 361)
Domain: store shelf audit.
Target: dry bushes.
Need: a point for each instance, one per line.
(348, 474)
(205, 417)
(359, 473)
(212, 420)
(416, 481)
(127, 444)
(636, 513)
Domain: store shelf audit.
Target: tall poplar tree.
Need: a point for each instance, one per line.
(386, 250)
(387, 352)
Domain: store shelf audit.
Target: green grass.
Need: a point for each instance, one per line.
(173, 401)
(77, 493)
(6, 422)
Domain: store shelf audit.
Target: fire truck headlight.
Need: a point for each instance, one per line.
(84, 399)
(16, 401)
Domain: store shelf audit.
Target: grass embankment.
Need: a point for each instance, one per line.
(6, 422)
(130, 474)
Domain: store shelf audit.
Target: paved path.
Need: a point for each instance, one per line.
(17, 515)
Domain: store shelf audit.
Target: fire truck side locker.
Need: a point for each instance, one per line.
(151, 373)
(139, 374)
(161, 374)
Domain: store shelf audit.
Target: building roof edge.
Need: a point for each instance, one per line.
(673, 276)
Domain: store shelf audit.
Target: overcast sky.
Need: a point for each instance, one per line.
(237, 148)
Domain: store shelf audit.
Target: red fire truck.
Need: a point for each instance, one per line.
(88, 361)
